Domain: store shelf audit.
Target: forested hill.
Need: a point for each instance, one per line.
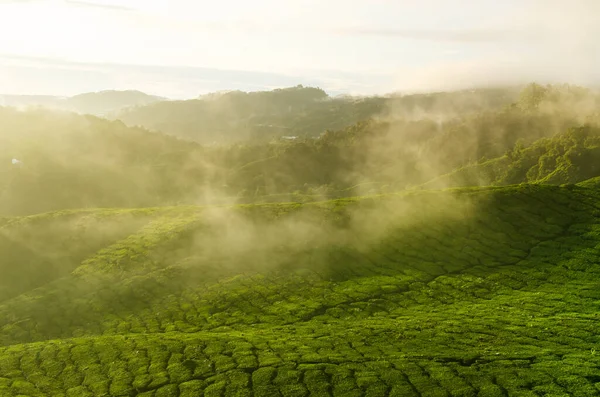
(568, 150)
(303, 112)
(64, 160)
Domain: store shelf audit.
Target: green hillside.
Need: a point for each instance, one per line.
(569, 157)
(71, 161)
(462, 292)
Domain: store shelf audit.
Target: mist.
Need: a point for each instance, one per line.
(543, 41)
(491, 44)
(312, 198)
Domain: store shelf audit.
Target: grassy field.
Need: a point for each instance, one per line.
(462, 292)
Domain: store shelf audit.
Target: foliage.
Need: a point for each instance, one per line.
(71, 161)
(304, 112)
(569, 157)
(497, 297)
(487, 291)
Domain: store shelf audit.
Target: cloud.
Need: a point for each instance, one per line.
(54, 76)
(544, 42)
(99, 5)
(76, 3)
(499, 69)
(457, 45)
(465, 36)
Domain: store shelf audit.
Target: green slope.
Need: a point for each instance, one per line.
(569, 157)
(72, 161)
(468, 292)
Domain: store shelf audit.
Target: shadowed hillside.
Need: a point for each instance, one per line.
(68, 161)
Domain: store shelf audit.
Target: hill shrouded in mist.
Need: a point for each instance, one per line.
(299, 111)
(569, 157)
(299, 198)
(138, 263)
(71, 161)
(109, 102)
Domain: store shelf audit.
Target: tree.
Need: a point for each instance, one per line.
(531, 96)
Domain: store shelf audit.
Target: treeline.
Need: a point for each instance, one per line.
(547, 134)
(569, 157)
(303, 112)
(396, 153)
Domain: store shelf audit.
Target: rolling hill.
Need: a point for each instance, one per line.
(104, 103)
(74, 161)
(462, 292)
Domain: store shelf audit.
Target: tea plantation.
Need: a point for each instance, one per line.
(463, 292)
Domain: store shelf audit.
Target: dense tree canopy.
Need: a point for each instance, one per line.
(297, 111)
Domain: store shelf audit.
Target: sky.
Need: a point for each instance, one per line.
(185, 48)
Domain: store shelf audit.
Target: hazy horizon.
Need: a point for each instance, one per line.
(181, 49)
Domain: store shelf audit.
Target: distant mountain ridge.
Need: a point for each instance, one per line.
(102, 103)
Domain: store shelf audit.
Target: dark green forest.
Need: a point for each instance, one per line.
(289, 243)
